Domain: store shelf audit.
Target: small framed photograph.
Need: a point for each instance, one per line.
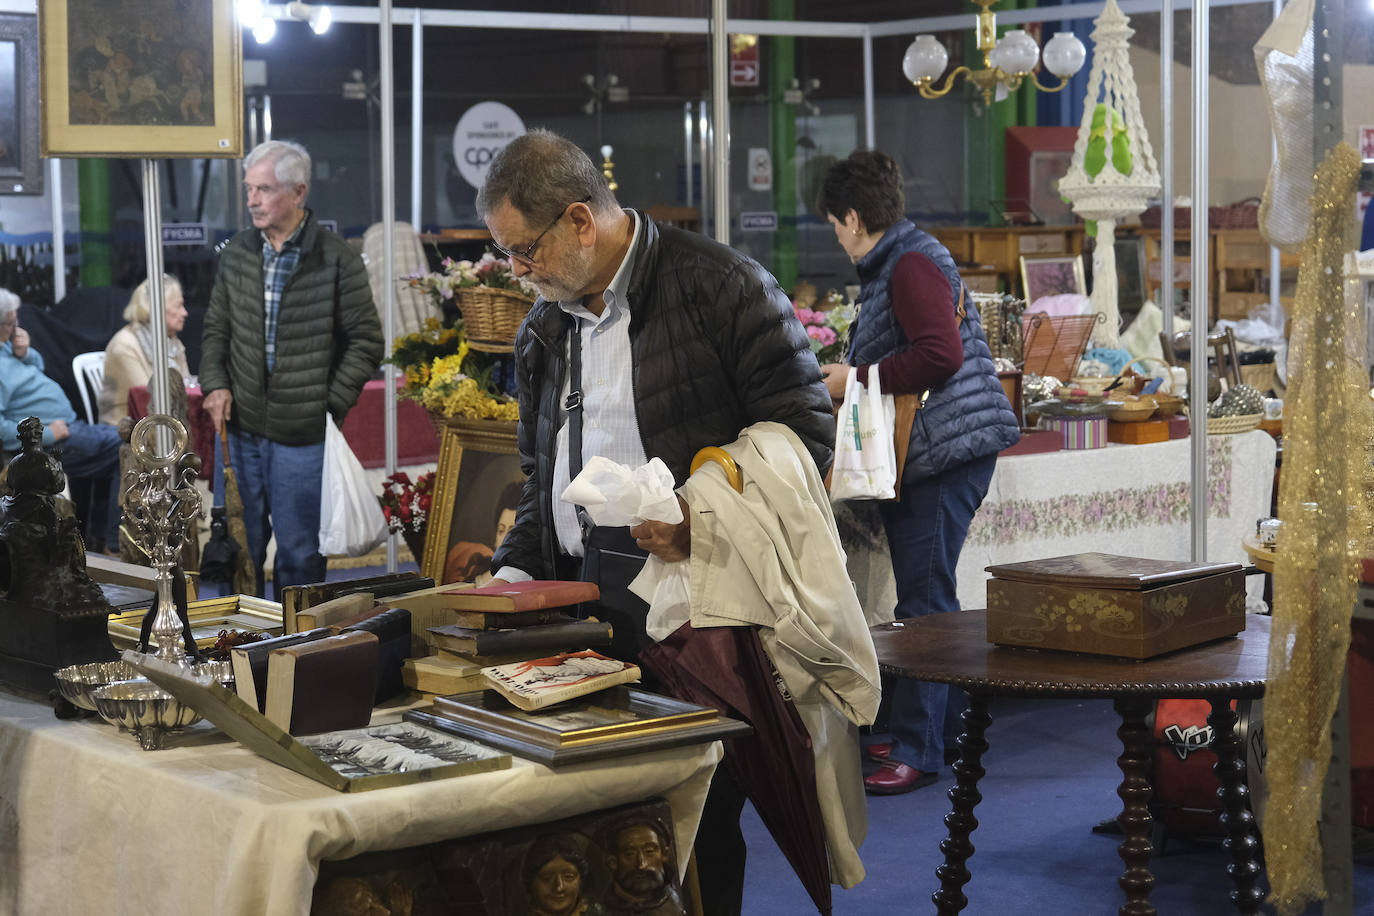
(21, 169)
(1052, 276)
(1130, 273)
(612, 722)
(142, 79)
(476, 492)
(208, 617)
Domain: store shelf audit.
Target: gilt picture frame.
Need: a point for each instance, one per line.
(476, 490)
(165, 81)
(1052, 276)
(21, 167)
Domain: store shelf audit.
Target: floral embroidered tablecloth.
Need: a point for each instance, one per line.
(1133, 500)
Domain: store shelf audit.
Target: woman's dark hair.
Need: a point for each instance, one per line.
(510, 499)
(549, 847)
(870, 184)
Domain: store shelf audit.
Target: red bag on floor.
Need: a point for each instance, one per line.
(1185, 783)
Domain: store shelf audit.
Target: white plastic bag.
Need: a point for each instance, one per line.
(351, 520)
(865, 462)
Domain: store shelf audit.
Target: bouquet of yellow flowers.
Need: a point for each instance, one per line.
(449, 378)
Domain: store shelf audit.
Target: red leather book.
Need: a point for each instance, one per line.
(516, 597)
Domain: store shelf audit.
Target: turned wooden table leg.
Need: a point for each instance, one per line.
(968, 769)
(1135, 819)
(1236, 819)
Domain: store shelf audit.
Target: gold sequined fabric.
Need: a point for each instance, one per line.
(1327, 436)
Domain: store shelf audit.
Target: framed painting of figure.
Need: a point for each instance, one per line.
(21, 169)
(143, 79)
(476, 491)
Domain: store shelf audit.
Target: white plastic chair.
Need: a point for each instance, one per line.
(89, 370)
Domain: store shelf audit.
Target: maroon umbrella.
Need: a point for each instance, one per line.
(726, 667)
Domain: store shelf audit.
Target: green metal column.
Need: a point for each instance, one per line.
(97, 256)
(782, 140)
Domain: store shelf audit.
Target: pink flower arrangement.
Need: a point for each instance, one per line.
(827, 330)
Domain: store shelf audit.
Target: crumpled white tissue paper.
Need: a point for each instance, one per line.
(615, 495)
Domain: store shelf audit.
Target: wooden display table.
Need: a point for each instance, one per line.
(953, 649)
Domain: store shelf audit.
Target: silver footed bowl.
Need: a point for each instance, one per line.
(144, 709)
(75, 682)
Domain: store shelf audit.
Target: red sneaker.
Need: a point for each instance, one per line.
(893, 778)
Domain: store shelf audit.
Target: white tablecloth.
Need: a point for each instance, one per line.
(89, 823)
(1133, 500)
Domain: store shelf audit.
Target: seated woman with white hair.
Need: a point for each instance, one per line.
(129, 354)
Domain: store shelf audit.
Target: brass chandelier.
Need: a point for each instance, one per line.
(1007, 61)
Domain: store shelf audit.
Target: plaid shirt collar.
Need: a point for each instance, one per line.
(277, 267)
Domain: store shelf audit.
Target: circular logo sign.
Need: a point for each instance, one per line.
(482, 132)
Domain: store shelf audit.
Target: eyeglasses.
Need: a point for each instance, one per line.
(525, 254)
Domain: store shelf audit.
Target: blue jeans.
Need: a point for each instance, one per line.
(925, 533)
(280, 486)
(91, 450)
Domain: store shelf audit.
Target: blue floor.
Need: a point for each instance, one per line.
(1051, 775)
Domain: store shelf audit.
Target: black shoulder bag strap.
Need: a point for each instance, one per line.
(573, 405)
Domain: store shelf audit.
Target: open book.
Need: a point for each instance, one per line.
(540, 682)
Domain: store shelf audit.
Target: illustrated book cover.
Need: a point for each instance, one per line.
(541, 682)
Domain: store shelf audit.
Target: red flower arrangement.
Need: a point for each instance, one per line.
(406, 505)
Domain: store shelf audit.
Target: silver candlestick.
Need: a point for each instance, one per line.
(160, 500)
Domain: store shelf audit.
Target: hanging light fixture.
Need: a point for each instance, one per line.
(316, 14)
(1007, 61)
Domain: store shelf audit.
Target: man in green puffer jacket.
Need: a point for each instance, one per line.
(291, 334)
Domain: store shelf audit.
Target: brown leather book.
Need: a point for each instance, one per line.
(516, 597)
(323, 686)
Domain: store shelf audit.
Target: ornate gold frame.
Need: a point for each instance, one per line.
(224, 75)
(459, 436)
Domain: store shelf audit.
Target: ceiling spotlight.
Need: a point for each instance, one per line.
(250, 12)
(316, 14)
(264, 29)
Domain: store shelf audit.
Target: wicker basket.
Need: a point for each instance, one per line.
(492, 316)
(1227, 425)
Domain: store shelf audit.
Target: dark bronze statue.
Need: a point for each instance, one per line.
(52, 614)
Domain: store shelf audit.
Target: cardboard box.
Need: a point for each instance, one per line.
(1140, 432)
(1102, 604)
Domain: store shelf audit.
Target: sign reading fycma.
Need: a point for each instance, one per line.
(142, 79)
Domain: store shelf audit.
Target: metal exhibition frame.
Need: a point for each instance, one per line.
(418, 18)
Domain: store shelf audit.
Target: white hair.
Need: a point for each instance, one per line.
(9, 304)
(138, 310)
(290, 160)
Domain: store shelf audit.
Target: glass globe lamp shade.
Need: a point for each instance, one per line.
(1064, 54)
(1016, 52)
(265, 28)
(925, 58)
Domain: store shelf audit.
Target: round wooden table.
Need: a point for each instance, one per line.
(953, 649)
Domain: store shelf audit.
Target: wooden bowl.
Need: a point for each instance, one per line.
(1133, 411)
(1169, 405)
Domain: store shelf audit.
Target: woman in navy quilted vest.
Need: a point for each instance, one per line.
(919, 331)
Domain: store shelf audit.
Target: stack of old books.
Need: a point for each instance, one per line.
(499, 625)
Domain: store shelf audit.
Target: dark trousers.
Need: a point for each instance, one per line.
(925, 533)
(612, 562)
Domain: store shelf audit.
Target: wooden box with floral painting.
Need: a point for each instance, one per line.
(1102, 604)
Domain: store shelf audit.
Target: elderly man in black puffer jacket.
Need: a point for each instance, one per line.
(681, 343)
